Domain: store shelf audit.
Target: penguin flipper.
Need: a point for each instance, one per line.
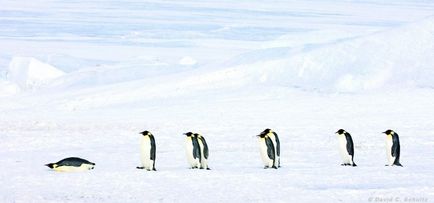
(205, 147)
(394, 150)
(196, 149)
(270, 148)
(350, 144)
(277, 144)
(153, 148)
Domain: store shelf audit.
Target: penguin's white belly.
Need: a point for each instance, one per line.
(389, 144)
(264, 154)
(145, 152)
(83, 167)
(346, 157)
(189, 152)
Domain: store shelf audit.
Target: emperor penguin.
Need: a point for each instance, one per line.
(276, 142)
(268, 149)
(193, 150)
(346, 147)
(147, 151)
(393, 148)
(71, 164)
(204, 152)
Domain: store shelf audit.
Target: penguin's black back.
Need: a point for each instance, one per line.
(153, 147)
(396, 149)
(73, 161)
(196, 148)
(350, 144)
(277, 144)
(270, 148)
(205, 147)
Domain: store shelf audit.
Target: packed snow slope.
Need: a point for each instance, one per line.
(83, 78)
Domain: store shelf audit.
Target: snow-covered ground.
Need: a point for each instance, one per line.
(83, 78)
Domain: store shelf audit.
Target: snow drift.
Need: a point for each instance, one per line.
(29, 72)
(399, 57)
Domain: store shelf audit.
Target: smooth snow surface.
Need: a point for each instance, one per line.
(83, 78)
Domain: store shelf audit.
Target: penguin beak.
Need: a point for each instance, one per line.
(384, 132)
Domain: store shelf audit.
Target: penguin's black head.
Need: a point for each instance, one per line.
(388, 132)
(265, 132)
(145, 133)
(262, 135)
(189, 134)
(50, 165)
(340, 131)
(268, 130)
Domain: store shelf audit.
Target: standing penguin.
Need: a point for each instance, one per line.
(193, 150)
(393, 148)
(268, 149)
(276, 142)
(204, 152)
(147, 151)
(71, 164)
(346, 147)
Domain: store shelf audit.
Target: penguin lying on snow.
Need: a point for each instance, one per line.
(393, 148)
(346, 147)
(147, 151)
(270, 148)
(71, 164)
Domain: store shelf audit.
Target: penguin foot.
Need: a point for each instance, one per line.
(208, 168)
(265, 167)
(354, 165)
(274, 167)
(154, 169)
(140, 167)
